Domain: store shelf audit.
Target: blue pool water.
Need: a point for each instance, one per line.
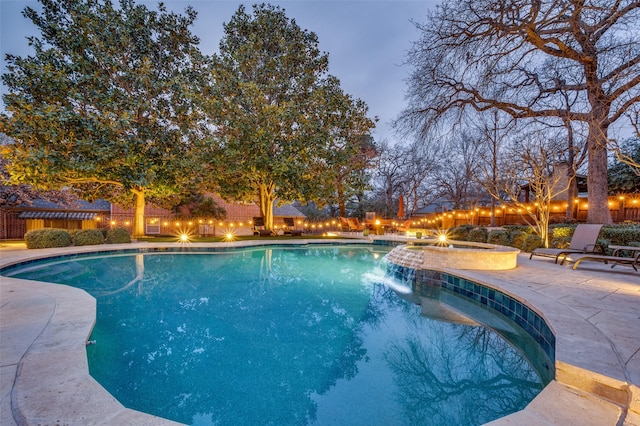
(288, 336)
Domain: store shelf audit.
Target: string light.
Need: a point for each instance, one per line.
(442, 219)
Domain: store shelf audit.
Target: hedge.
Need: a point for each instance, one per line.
(517, 238)
(460, 232)
(47, 238)
(478, 235)
(531, 243)
(87, 237)
(499, 237)
(117, 236)
(52, 237)
(522, 237)
(621, 235)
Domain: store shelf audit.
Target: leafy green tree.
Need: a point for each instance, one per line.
(106, 103)
(12, 194)
(278, 116)
(199, 205)
(346, 172)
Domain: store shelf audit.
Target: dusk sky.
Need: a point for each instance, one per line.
(366, 40)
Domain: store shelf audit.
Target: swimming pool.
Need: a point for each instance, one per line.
(305, 335)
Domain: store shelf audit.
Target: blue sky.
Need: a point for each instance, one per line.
(366, 41)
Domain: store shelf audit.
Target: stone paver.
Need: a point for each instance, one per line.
(594, 312)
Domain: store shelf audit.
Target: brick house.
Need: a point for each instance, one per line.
(16, 221)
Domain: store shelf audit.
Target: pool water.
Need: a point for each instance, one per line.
(287, 336)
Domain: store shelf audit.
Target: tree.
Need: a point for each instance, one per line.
(277, 114)
(389, 176)
(12, 195)
(456, 176)
(491, 132)
(407, 170)
(344, 174)
(624, 177)
(624, 156)
(199, 205)
(552, 60)
(107, 102)
(533, 162)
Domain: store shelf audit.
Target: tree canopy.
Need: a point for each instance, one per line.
(279, 118)
(12, 194)
(107, 101)
(553, 61)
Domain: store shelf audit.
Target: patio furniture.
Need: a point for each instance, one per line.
(633, 260)
(617, 249)
(348, 224)
(259, 227)
(354, 224)
(584, 240)
(291, 228)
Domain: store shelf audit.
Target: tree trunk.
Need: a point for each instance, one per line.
(138, 220)
(342, 205)
(572, 194)
(266, 204)
(543, 223)
(597, 182)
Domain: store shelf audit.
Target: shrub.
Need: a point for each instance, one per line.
(517, 228)
(620, 235)
(498, 236)
(460, 232)
(118, 236)
(88, 237)
(562, 231)
(517, 238)
(478, 235)
(47, 238)
(531, 243)
(560, 242)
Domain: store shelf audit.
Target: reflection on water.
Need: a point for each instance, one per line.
(470, 368)
(289, 336)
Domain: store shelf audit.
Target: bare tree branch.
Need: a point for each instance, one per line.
(576, 61)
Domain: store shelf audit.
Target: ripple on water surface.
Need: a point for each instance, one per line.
(288, 336)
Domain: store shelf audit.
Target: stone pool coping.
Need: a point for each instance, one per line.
(594, 312)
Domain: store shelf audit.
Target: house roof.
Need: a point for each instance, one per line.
(79, 205)
(58, 215)
(287, 210)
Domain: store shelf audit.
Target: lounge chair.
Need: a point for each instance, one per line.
(291, 228)
(584, 240)
(577, 258)
(350, 224)
(354, 224)
(259, 227)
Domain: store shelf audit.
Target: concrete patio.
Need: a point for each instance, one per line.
(594, 312)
